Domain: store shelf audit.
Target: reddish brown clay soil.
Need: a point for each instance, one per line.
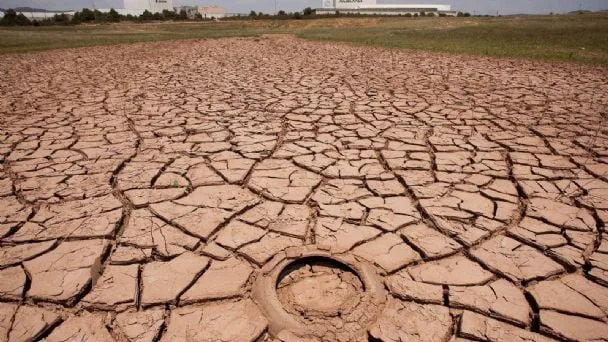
(144, 188)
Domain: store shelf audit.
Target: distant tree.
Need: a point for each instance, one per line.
(297, 15)
(416, 15)
(146, 15)
(12, 18)
(307, 11)
(22, 20)
(158, 16)
(168, 15)
(409, 15)
(183, 15)
(460, 14)
(281, 13)
(61, 18)
(466, 14)
(253, 14)
(76, 18)
(87, 15)
(9, 17)
(198, 16)
(114, 16)
(100, 16)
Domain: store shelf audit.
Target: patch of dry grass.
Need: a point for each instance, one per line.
(576, 38)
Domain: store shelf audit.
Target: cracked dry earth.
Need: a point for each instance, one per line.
(144, 188)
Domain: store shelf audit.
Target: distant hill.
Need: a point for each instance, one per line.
(30, 9)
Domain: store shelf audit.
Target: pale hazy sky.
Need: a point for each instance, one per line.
(244, 6)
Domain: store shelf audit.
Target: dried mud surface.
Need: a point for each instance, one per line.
(142, 188)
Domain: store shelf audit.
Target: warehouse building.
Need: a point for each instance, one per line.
(42, 15)
(369, 7)
(152, 6)
(212, 12)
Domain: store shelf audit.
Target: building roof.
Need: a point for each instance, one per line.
(123, 11)
(41, 15)
(373, 5)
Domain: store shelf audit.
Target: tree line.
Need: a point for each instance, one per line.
(14, 18)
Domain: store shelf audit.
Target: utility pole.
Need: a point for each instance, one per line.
(276, 4)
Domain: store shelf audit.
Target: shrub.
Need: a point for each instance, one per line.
(307, 11)
(409, 15)
(253, 14)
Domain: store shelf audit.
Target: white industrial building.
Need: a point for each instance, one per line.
(152, 6)
(41, 15)
(369, 7)
(215, 12)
